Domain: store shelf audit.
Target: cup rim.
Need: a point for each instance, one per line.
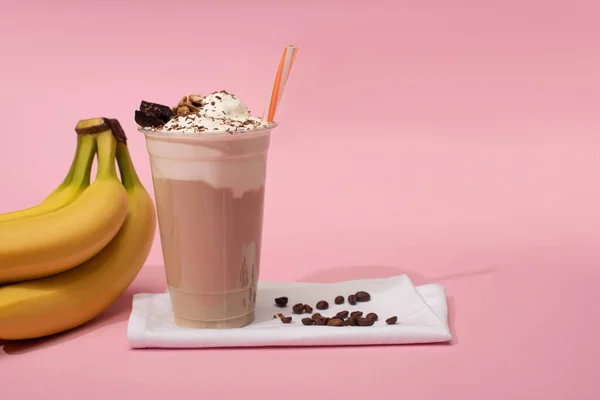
(208, 135)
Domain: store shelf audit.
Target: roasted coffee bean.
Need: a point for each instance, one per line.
(363, 296)
(339, 300)
(372, 316)
(391, 320)
(322, 305)
(316, 316)
(335, 322)
(356, 314)
(352, 321)
(281, 301)
(342, 314)
(298, 308)
(321, 321)
(278, 315)
(286, 320)
(308, 308)
(307, 321)
(336, 317)
(352, 299)
(365, 321)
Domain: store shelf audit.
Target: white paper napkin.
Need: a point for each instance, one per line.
(422, 313)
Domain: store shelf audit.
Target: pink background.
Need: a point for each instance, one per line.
(456, 141)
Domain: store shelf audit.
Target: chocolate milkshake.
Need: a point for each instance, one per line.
(208, 157)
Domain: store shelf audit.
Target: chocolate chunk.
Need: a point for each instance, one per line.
(146, 120)
(391, 320)
(163, 113)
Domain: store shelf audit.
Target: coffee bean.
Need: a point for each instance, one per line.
(316, 316)
(339, 300)
(352, 321)
(281, 301)
(342, 314)
(365, 321)
(307, 321)
(336, 317)
(278, 315)
(298, 308)
(335, 322)
(352, 299)
(391, 320)
(363, 296)
(356, 314)
(308, 308)
(321, 321)
(372, 316)
(286, 320)
(322, 305)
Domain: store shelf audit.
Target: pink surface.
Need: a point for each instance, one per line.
(480, 173)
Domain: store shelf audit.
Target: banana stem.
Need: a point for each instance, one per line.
(85, 160)
(107, 145)
(71, 172)
(129, 176)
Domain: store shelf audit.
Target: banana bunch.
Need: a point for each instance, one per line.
(66, 260)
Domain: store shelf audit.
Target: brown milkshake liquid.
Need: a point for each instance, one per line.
(211, 244)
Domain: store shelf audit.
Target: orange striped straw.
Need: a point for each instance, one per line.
(283, 73)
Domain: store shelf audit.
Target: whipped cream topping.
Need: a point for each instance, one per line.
(218, 112)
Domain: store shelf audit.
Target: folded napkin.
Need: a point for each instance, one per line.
(422, 313)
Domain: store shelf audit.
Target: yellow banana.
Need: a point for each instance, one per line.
(64, 301)
(76, 181)
(47, 244)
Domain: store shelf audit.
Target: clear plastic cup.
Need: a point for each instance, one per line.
(209, 191)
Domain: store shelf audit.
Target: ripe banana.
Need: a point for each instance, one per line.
(64, 301)
(76, 181)
(47, 244)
